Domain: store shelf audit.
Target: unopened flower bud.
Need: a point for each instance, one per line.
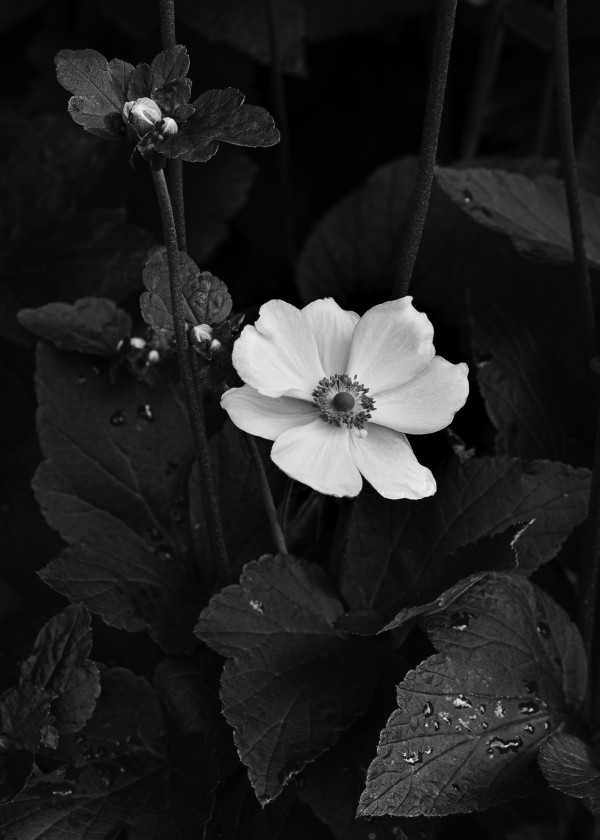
(142, 114)
(137, 342)
(201, 333)
(215, 345)
(169, 126)
(153, 357)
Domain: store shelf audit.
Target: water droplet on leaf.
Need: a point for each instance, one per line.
(118, 418)
(499, 709)
(412, 757)
(460, 620)
(529, 727)
(467, 197)
(461, 702)
(529, 708)
(145, 412)
(531, 687)
(502, 747)
(544, 630)
(257, 606)
(428, 709)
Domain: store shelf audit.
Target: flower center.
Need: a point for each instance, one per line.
(342, 400)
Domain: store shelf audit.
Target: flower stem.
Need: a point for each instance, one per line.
(175, 167)
(589, 595)
(281, 118)
(487, 66)
(429, 143)
(285, 503)
(276, 530)
(193, 400)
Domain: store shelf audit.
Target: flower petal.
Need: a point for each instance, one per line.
(392, 342)
(266, 417)
(427, 402)
(386, 460)
(319, 455)
(278, 355)
(332, 327)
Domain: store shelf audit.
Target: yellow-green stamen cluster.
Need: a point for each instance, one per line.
(343, 401)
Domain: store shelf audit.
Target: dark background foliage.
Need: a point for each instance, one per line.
(78, 220)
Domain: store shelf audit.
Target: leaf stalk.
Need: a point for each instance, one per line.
(276, 529)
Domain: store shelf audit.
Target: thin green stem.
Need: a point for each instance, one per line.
(281, 118)
(276, 530)
(192, 399)
(285, 503)
(487, 67)
(175, 167)
(429, 144)
(589, 596)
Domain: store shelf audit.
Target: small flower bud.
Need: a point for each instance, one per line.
(137, 343)
(142, 114)
(168, 126)
(200, 333)
(153, 357)
(215, 345)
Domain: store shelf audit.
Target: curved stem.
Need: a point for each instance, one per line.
(281, 118)
(285, 503)
(589, 595)
(429, 144)
(175, 167)
(487, 66)
(192, 399)
(276, 529)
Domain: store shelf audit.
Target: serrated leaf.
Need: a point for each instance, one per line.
(100, 90)
(164, 80)
(531, 211)
(58, 663)
(396, 549)
(118, 772)
(206, 299)
(113, 484)
(569, 765)
(220, 117)
(90, 325)
(244, 25)
(289, 687)
(471, 717)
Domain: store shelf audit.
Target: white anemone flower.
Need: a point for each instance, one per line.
(338, 393)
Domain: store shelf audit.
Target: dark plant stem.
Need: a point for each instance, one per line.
(546, 110)
(485, 73)
(590, 570)
(285, 503)
(276, 530)
(429, 143)
(175, 167)
(281, 118)
(193, 400)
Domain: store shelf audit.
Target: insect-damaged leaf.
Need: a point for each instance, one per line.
(114, 485)
(289, 687)
(510, 669)
(206, 299)
(118, 772)
(100, 90)
(59, 663)
(90, 325)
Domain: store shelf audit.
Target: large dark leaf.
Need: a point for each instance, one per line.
(118, 772)
(100, 90)
(244, 25)
(471, 717)
(90, 325)
(400, 550)
(59, 663)
(531, 211)
(114, 485)
(292, 682)
(220, 117)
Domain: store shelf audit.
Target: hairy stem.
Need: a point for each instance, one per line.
(281, 118)
(485, 73)
(429, 143)
(590, 571)
(192, 399)
(175, 167)
(276, 530)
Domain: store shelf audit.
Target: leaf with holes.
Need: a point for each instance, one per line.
(100, 90)
(292, 682)
(569, 765)
(510, 669)
(206, 299)
(58, 663)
